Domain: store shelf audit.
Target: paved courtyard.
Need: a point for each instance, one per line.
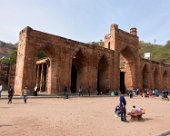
(81, 116)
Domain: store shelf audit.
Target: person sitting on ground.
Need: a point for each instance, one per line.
(137, 110)
(131, 94)
(164, 94)
(116, 93)
(117, 111)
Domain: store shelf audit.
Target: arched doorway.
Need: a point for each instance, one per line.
(42, 65)
(77, 74)
(145, 77)
(102, 76)
(127, 70)
(73, 79)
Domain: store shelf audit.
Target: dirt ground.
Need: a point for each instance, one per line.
(81, 116)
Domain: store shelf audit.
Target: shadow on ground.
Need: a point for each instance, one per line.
(140, 120)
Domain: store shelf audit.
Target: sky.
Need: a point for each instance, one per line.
(86, 20)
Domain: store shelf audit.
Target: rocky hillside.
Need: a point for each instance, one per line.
(6, 48)
(160, 53)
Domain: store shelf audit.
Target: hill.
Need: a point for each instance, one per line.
(6, 48)
(160, 53)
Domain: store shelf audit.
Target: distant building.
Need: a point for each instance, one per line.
(147, 55)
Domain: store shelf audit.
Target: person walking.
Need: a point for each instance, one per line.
(89, 90)
(25, 94)
(66, 92)
(81, 91)
(35, 90)
(10, 94)
(123, 107)
(0, 89)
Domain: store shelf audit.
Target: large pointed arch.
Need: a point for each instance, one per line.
(129, 68)
(45, 54)
(77, 70)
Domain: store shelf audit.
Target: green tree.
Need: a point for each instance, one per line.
(11, 59)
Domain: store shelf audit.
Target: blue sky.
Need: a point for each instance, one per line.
(86, 20)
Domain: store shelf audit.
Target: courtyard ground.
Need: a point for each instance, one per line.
(81, 116)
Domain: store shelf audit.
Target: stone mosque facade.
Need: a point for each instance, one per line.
(73, 64)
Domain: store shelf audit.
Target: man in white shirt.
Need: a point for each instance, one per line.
(0, 89)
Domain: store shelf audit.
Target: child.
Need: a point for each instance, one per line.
(117, 111)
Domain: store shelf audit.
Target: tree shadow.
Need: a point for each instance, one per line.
(5, 107)
(5, 125)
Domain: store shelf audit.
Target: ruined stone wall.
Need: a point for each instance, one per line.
(7, 75)
(95, 66)
(157, 74)
(60, 52)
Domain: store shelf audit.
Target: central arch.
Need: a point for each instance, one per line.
(127, 70)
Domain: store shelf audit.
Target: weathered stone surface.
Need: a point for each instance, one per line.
(74, 64)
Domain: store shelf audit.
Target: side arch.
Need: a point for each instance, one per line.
(156, 78)
(103, 75)
(78, 70)
(146, 77)
(165, 79)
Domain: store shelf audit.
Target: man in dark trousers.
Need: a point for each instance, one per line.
(10, 94)
(123, 107)
(66, 92)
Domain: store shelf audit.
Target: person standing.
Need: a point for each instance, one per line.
(123, 107)
(89, 90)
(36, 90)
(0, 89)
(66, 92)
(25, 94)
(81, 91)
(10, 94)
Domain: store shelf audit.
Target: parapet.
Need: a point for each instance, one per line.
(26, 29)
(113, 26)
(133, 31)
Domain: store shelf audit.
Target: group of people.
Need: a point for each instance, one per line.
(11, 94)
(147, 92)
(25, 93)
(120, 109)
(81, 90)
